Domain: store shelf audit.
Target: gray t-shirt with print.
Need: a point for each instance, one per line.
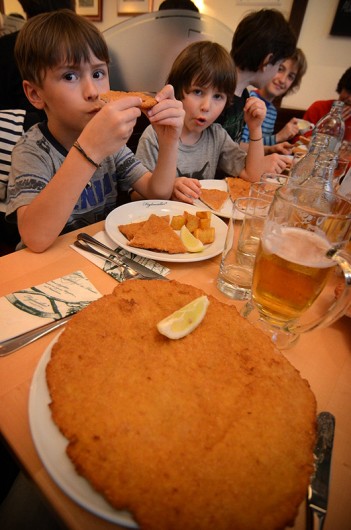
(37, 157)
(214, 150)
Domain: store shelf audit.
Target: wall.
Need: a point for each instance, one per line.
(328, 56)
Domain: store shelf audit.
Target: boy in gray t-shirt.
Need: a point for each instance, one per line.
(203, 77)
(65, 172)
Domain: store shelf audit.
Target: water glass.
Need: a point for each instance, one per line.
(235, 272)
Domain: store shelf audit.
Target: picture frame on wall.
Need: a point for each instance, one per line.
(341, 26)
(91, 9)
(134, 7)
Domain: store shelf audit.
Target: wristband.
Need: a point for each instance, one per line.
(81, 150)
(256, 139)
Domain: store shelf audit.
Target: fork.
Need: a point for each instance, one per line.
(126, 271)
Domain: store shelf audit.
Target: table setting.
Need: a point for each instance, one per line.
(102, 273)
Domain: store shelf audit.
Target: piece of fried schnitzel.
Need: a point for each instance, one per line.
(237, 187)
(147, 101)
(157, 234)
(213, 198)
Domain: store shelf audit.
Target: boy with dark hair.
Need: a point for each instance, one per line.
(203, 77)
(65, 172)
(262, 40)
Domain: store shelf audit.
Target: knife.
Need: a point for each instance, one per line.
(317, 499)
(138, 267)
(11, 345)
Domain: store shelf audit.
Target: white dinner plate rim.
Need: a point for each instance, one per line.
(140, 210)
(51, 444)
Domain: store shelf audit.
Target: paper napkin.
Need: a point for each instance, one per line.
(33, 307)
(111, 269)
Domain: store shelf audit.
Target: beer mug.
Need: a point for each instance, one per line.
(300, 250)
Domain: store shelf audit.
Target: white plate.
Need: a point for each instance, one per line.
(140, 210)
(51, 447)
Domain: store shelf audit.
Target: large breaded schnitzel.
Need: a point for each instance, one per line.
(214, 431)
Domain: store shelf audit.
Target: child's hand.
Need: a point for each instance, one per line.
(110, 128)
(167, 117)
(186, 189)
(289, 130)
(254, 113)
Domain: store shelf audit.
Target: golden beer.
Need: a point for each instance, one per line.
(291, 270)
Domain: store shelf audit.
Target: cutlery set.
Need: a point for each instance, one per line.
(129, 268)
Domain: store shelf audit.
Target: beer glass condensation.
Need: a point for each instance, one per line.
(301, 245)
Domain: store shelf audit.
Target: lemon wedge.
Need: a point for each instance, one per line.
(184, 320)
(191, 243)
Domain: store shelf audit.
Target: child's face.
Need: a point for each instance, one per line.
(71, 94)
(202, 107)
(265, 74)
(282, 80)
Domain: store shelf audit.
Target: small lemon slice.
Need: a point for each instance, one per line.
(184, 320)
(191, 243)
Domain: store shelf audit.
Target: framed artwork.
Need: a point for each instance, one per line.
(90, 8)
(134, 7)
(342, 20)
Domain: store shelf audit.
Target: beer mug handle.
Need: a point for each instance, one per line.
(338, 308)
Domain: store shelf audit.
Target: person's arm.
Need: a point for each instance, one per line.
(167, 118)
(289, 130)
(44, 218)
(254, 113)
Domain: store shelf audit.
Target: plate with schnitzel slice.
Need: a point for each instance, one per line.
(217, 198)
(154, 238)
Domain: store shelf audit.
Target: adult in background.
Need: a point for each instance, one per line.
(261, 42)
(178, 4)
(320, 108)
(286, 81)
(11, 91)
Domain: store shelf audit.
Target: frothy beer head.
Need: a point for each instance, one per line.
(291, 270)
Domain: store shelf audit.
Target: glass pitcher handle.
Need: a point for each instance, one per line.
(339, 307)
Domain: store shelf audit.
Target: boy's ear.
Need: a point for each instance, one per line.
(33, 95)
(266, 61)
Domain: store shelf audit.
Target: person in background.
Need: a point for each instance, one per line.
(320, 108)
(65, 173)
(261, 42)
(12, 95)
(203, 77)
(178, 4)
(286, 81)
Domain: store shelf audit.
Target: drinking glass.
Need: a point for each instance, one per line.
(301, 246)
(235, 272)
(267, 186)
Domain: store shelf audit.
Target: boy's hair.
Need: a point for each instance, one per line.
(299, 58)
(37, 7)
(344, 82)
(259, 34)
(204, 64)
(50, 39)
